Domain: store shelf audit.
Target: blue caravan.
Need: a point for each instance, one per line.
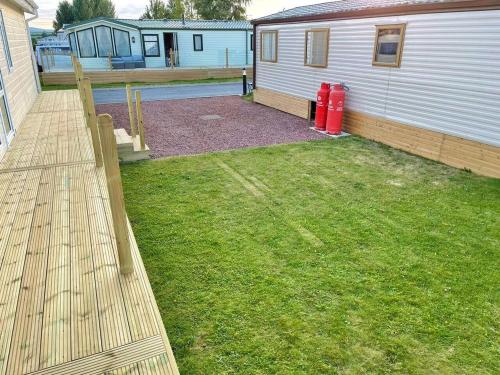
(129, 44)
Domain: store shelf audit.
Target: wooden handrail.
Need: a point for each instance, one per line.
(130, 101)
(115, 191)
(92, 118)
(140, 120)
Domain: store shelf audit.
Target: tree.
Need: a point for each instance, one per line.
(189, 10)
(103, 8)
(81, 10)
(221, 9)
(176, 8)
(64, 14)
(156, 10)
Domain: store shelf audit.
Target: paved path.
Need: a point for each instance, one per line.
(166, 92)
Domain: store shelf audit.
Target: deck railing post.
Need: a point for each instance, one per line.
(115, 191)
(130, 101)
(92, 118)
(79, 80)
(140, 120)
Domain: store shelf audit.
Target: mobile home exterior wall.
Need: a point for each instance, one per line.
(215, 43)
(448, 81)
(19, 79)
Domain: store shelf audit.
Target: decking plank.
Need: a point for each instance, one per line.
(13, 262)
(86, 337)
(25, 348)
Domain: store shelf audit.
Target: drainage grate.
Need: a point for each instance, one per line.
(211, 117)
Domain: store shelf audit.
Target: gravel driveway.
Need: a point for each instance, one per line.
(195, 126)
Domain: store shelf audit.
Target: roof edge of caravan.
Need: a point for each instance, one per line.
(353, 9)
(171, 24)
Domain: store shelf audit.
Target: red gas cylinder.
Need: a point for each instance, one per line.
(335, 109)
(322, 106)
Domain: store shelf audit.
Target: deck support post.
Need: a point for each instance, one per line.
(92, 118)
(227, 57)
(79, 83)
(115, 191)
(130, 101)
(140, 120)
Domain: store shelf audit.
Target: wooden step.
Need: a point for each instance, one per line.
(129, 148)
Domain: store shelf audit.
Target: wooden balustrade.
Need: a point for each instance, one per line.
(106, 154)
(115, 191)
(140, 120)
(130, 102)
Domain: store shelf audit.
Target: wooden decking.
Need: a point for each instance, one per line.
(64, 306)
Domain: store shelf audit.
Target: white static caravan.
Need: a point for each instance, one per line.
(195, 43)
(423, 75)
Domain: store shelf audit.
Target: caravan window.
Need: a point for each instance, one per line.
(122, 43)
(269, 46)
(5, 42)
(151, 45)
(316, 48)
(72, 43)
(104, 41)
(86, 43)
(198, 42)
(388, 45)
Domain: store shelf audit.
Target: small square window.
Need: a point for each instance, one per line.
(316, 50)
(151, 45)
(198, 42)
(388, 45)
(269, 46)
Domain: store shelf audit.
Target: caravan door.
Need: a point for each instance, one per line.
(170, 43)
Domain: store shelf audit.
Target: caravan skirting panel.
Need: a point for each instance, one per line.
(480, 158)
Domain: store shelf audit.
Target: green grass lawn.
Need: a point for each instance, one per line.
(335, 256)
(118, 85)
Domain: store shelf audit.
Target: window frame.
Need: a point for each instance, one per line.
(157, 43)
(194, 42)
(276, 38)
(326, 46)
(129, 42)
(75, 50)
(251, 42)
(97, 40)
(93, 40)
(399, 54)
(5, 43)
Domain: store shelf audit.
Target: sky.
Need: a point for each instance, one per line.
(134, 8)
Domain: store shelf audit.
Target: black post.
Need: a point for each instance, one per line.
(245, 81)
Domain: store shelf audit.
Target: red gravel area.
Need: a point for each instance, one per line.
(191, 126)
